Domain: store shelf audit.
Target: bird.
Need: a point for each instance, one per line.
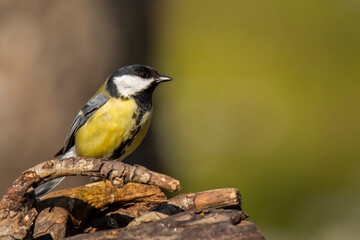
(114, 121)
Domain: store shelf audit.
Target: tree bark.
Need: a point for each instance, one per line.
(209, 224)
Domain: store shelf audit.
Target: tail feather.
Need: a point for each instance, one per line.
(47, 187)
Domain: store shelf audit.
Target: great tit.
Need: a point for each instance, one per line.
(115, 120)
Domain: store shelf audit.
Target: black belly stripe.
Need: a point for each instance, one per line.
(122, 148)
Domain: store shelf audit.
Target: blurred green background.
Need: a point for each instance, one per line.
(265, 99)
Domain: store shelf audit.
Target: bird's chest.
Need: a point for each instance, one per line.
(115, 124)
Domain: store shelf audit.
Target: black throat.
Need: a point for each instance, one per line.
(144, 98)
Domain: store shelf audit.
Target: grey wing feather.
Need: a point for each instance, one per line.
(83, 116)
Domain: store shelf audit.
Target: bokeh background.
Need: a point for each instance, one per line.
(265, 98)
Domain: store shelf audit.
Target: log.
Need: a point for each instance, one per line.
(69, 211)
(208, 224)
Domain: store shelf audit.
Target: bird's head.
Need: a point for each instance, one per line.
(131, 80)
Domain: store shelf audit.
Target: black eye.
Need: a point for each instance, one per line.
(143, 75)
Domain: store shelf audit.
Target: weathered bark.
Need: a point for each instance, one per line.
(16, 217)
(69, 211)
(66, 211)
(208, 224)
(218, 198)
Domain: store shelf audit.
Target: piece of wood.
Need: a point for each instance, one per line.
(116, 171)
(51, 222)
(209, 224)
(218, 198)
(66, 211)
(16, 218)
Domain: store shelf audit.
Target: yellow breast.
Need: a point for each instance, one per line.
(113, 124)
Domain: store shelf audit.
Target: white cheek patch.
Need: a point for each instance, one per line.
(129, 85)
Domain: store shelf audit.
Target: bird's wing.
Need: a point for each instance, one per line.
(83, 116)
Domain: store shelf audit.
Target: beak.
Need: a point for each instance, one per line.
(163, 78)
